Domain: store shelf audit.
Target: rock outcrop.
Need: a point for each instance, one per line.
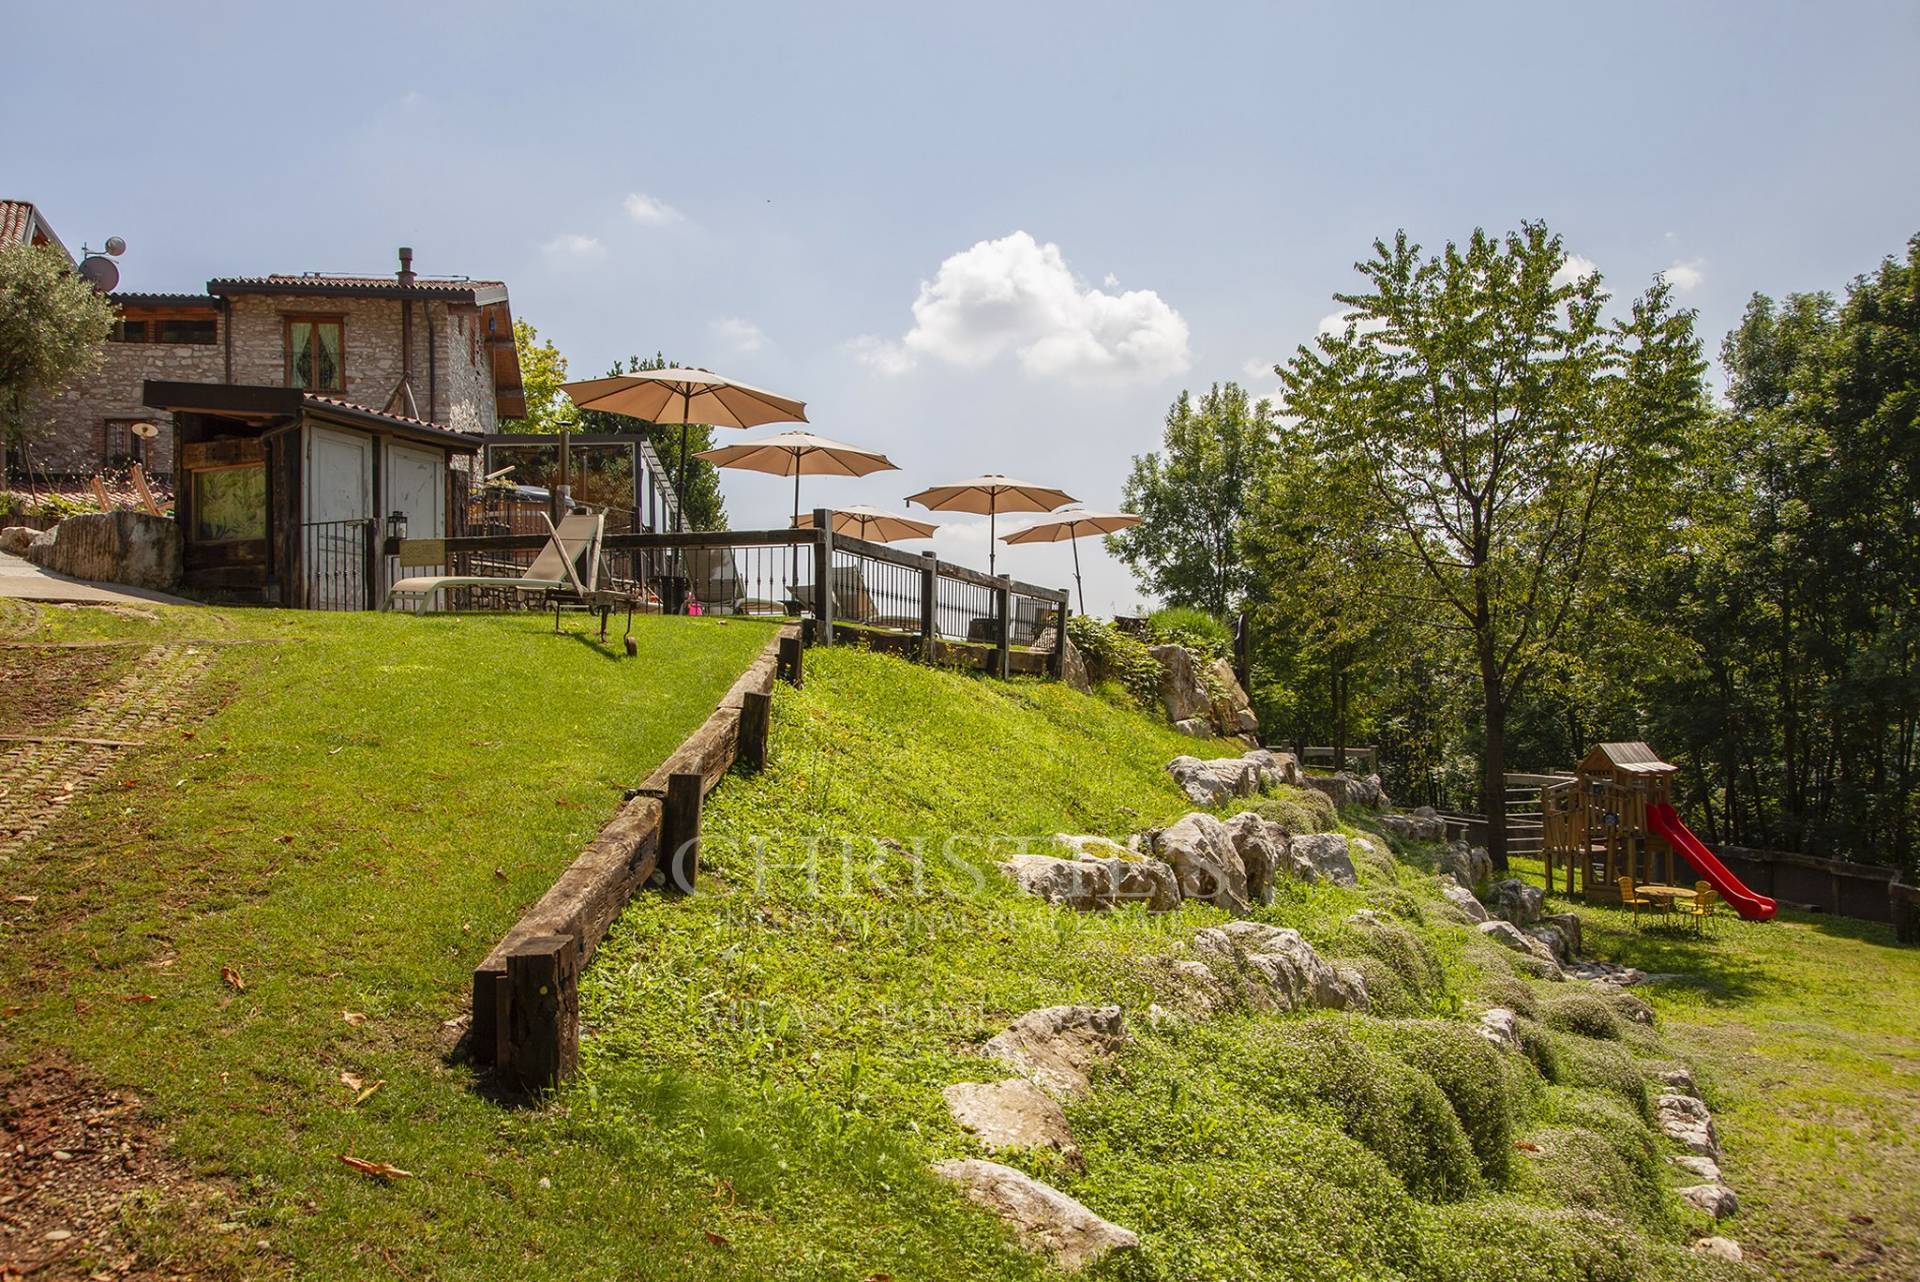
(1424, 824)
(1042, 1218)
(1328, 855)
(1348, 790)
(1200, 850)
(15, 539)
(1279, 970)
(1055, 1047)
(1460, 897)
(1515, 901)
(1686, 1121)
(1508, 935)
(1012, 1114)
(1218, 780)
(1720, 1248)
(1470, 865)
(1183, 695)
(1095, 874)
(1716, 1200)
(1501, 1027)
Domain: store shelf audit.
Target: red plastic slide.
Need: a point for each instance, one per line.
(1749, 905)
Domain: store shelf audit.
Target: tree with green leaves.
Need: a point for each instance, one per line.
(705, 508)
(52, 326)
(1509, 436)
(1193, 497)
(542, 372)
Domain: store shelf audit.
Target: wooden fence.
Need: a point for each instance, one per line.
(845, 589)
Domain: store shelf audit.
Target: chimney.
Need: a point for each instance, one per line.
(406, 266)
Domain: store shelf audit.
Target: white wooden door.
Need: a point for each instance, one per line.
(416, 484)
(334, 528)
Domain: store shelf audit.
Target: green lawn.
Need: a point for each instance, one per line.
(370, 803)
(1806, 1031)
(373, 800)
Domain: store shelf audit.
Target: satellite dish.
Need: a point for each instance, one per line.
(116, 246)
(100, 273)
(145, 431)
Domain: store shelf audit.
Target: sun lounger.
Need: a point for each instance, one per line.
(569, 564)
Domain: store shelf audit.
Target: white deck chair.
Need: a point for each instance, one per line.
(570, 561)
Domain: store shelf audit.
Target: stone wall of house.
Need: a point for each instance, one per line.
(71, 428)
(469, 371)
(70, 433)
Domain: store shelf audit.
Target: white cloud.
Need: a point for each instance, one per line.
(742, 335)
(1016, 295)
(882, 355)
(1688, 276)
(1575, 269)
(575, 246)
(1334, 323)
(650, 211)
(1111, 281)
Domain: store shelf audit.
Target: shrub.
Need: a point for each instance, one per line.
(1514, 993)
(1387, 994)
(1197, 630)
(1583, 1014)
(1605, 1066)
(1494, 1241)
(1299, 810)
(1397, 1111)
(1409, 956)
(1635, 1151)
(1486, 1098)
(1540, 1048)
(1112, 655)
(1372, 858)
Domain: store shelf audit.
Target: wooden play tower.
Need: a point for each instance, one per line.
(1595, 823)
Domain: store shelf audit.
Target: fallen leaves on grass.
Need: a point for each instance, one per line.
(138, 997)
(714, 1239)
(377, 1170)
(353, 1017)
(362, 1089)
(234, 981)
(24, 900)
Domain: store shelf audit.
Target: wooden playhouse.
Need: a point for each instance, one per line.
(1596, 826)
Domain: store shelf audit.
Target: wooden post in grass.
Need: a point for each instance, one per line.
(1057, 661)
(1003, 629)
(929, 603)
(680, 831)
(822, 576)
(788, 664)
(756, 720)
(538, 1020)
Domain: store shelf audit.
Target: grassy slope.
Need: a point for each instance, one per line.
(373, 801)
(763, 1062)
(1805, 1033)
(787, 1034)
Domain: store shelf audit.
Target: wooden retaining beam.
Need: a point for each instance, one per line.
(533, 1038)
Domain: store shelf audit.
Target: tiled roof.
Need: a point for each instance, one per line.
(335, 402)
(19, 220)
(143, 298)
(314, 282)
(120, 491)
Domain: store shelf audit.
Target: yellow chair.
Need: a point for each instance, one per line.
(1632, 899)
(1701, 909)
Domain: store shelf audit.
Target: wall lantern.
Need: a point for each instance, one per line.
(397, 525)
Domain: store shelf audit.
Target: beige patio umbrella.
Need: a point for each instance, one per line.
(872, 524)
(798, 454)
(991, 494)
(1071, 525)
(685, 396)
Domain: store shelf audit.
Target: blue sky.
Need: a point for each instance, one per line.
(1092, 205)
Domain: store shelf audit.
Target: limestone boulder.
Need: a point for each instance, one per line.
(1568, 924)
(1057, 1046)
(1195, 728)
(1012, 1114)
(1279, 970)
(1470, 865)
(1328, 855)
(1608, 974)
(1704, 1169)
(1191, 986)
(1272, 768)
(134, 548)
(1720, 1248)
(1501, 1027)
(1508, 935)
(1348, 790)
(1416, 826)
(1074, 669)
(1042, 1218)
(15, 539)
(1071, 883)
(1199, 848)
(1686, 1121)
(1515, 901)
(1266, 852)
(1716, 1200)
(1555, 941)
(1094, 873)
(1183, 695)
(1460, 897)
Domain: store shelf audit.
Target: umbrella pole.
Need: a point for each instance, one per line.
(794, 573)
(993, 518)
(1076, 575)
(680, 512)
